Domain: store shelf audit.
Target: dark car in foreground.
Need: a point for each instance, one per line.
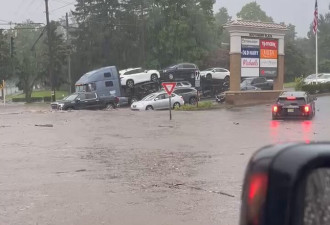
(287, 184)
(296, 104)
(256, 83)
(179, 72)
(85, 100)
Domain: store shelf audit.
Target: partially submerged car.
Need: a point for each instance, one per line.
(158, 100)
(85, 100)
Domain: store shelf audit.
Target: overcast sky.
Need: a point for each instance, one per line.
(297, 12)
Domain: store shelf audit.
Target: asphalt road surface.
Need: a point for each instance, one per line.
(135, 168)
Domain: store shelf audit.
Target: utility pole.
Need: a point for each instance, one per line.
(50, 49)
(142, 34)
(69, 52)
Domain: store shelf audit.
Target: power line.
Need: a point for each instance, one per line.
(62, 7)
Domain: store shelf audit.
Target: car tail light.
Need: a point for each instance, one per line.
(291, 98)
(307, 109)
(256, 197)
(275, 108)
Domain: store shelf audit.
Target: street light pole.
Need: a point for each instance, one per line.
(50, 50)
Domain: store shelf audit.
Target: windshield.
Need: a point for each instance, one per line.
(71, 97)
(246, 82)
(209, 69)
(297, 101)
(324, 77)
(149, 97)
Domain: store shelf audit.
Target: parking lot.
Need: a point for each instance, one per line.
(123, 167)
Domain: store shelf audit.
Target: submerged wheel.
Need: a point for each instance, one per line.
(192, 101)
(176, 105)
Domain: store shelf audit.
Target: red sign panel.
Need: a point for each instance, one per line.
(268, 44)
(169, 87)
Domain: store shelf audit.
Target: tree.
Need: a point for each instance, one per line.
(28, 65)
(6, 61)
(221, 18)
(181, 31)
(59, 50)
(253, 12)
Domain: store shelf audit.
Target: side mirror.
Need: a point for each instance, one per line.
(156, 99)
(77, 99)
(287, 184)
(315, 98)
(146, 71)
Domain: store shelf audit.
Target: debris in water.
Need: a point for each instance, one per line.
(44, 125)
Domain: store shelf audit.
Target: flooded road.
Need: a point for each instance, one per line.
(137, 168)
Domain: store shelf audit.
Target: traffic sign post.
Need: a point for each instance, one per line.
(169, 88)
(197, 84)
(2, 88)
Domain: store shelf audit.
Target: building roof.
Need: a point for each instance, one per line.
(256, 24)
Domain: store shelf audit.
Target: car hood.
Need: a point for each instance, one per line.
(61, 102)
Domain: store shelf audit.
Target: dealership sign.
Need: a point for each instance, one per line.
(259, 57)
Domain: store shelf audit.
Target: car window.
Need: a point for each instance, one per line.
(162, 96)
(90, 95)
(178, 91)
(186, 83)
(71, 97)
(222, 70)
(109, 84)
(107, 75)
(259, 80)
(82, 96)
(189, 66)
(180, 66)
(133, 71)
(286, 101)
(149, 97)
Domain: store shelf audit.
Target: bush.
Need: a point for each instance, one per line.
(33, 99)
(299, 83)
(201, 106)
(47, 99)
(316, 88)
(18, 99)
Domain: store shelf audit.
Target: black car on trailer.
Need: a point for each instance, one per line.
(295, 104)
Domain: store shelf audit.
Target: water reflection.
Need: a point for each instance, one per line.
(291, 131)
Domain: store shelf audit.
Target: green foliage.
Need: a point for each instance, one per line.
(299, 83)
(295, 62)
(253, 12)
(316, 88)
(6, 62)
(201, 106)
(148, 33)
